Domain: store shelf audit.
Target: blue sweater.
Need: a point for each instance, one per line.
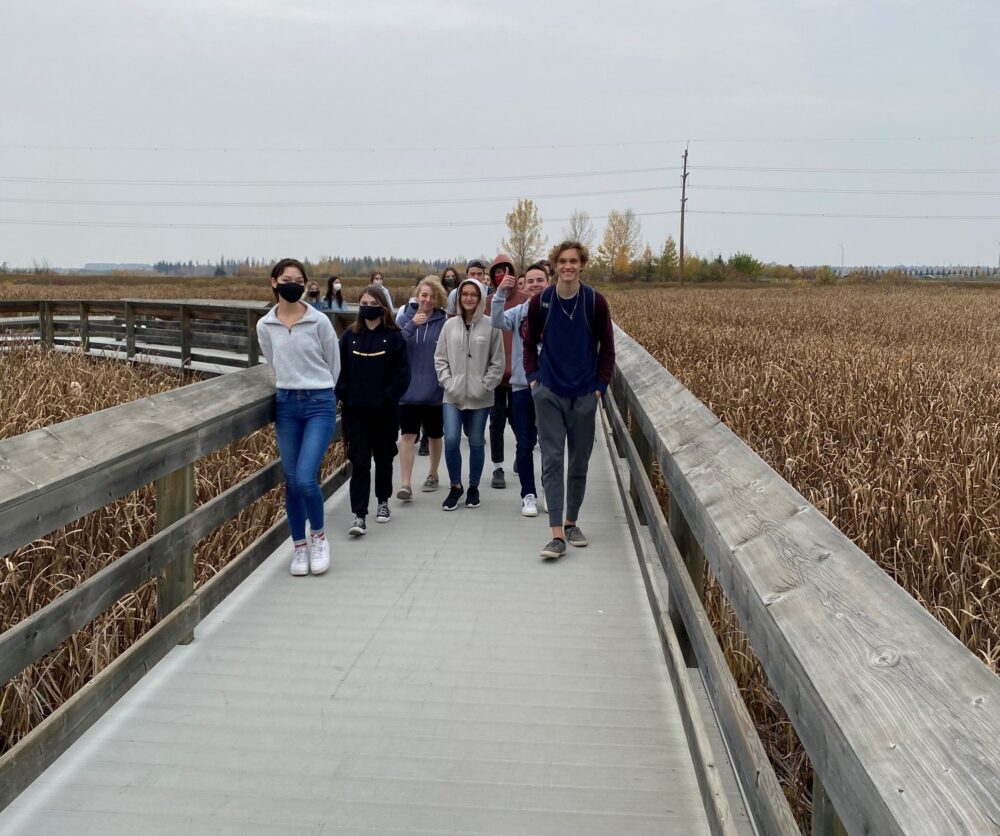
(420, 344)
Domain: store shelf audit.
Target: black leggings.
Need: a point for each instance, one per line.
(370, 434)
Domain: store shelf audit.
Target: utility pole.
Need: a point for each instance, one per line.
(684, 178)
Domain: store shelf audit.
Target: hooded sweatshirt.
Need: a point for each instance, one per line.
(509, 318)
(514, 298)
(421, 342)
(375, 370)
(304, 356)
(469, 358)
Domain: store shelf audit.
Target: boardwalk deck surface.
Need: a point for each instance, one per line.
(439, 679)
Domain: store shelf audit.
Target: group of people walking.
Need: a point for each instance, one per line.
(535, 351)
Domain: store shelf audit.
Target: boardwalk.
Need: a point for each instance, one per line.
(439, 679)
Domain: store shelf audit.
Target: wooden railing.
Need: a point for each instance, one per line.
(900, 720)
(205, 336)
(52, 476)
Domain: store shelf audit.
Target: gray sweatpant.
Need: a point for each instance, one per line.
(564, 423)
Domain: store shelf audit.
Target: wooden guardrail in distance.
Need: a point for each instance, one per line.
(900, 720)
(52, 476)
(211, 337)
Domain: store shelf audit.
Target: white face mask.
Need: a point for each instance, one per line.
(336, 285)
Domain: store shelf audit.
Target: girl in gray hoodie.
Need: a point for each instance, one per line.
(469, 361)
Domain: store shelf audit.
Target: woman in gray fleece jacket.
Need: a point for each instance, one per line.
(469, 361)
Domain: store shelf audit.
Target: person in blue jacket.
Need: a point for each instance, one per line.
(420, 406)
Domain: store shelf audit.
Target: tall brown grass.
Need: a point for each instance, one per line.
(881, 405)
(39, 388)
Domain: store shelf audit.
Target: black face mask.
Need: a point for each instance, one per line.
(290, 291)
(314, 293)
(370, 311)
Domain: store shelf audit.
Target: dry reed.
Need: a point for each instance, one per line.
(881, 405)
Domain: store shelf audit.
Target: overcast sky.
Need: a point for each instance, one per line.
(301, 102)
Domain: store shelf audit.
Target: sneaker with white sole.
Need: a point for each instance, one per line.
(319, 555)
(472, 497)
(554, 550)
(543, 506)
(529, 507)
(405, 493)
(358, 527)
(382, 515)
(451, 500)
(574, 536)
(431, 483)
(300, 562)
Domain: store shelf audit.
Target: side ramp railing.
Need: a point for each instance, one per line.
(52, 476)
(901, 721)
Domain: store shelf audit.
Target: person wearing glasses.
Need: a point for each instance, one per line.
(469, 361)
(473, 270)
(300, 345)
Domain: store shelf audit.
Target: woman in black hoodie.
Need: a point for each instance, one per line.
(374, 373)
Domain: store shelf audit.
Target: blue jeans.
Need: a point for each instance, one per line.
(473, 421)
(526, 433)
(303, 423)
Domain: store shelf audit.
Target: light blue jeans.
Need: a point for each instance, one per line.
(473, 421)
(303, 423)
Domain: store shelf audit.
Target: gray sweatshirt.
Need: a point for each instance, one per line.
(469, 361)
(510, 320)
(305, 356)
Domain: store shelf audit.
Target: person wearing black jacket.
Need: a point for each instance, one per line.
(374, 374)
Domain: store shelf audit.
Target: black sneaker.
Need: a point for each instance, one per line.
(422, 449)
(498, 481)
(382, 515)
(555, 549)
(451, 501)
(358, 527)
(472, 497)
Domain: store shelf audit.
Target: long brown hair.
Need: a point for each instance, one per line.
(388, 318)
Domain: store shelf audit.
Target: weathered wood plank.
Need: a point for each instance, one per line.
(900, 720)
(764, 795)
(713, 795)
(175, 501)
(57, 474)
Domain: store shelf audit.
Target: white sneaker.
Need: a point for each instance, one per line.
(529, 508)
(300, 562)
(543, 506)
(319, 555)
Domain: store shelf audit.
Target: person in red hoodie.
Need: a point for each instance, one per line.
(503, 396)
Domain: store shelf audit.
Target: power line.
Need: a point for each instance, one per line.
(447, 224)
(309, 183)
(322, 203)
(783, 169)
(812, 190)
(370, 149)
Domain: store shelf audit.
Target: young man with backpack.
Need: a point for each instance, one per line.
(568, 377)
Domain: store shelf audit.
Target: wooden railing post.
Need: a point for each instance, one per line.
(84, 326)
(825, 821)
(185, 330)
(253, 345)
(175, 500)
(694, 562)
(46, 327)
(129, 331)
(645, 452)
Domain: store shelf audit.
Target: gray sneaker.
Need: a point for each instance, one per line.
(430, 484)
(555, 549)
(498, 481)
(574, 536)
(404, 493)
